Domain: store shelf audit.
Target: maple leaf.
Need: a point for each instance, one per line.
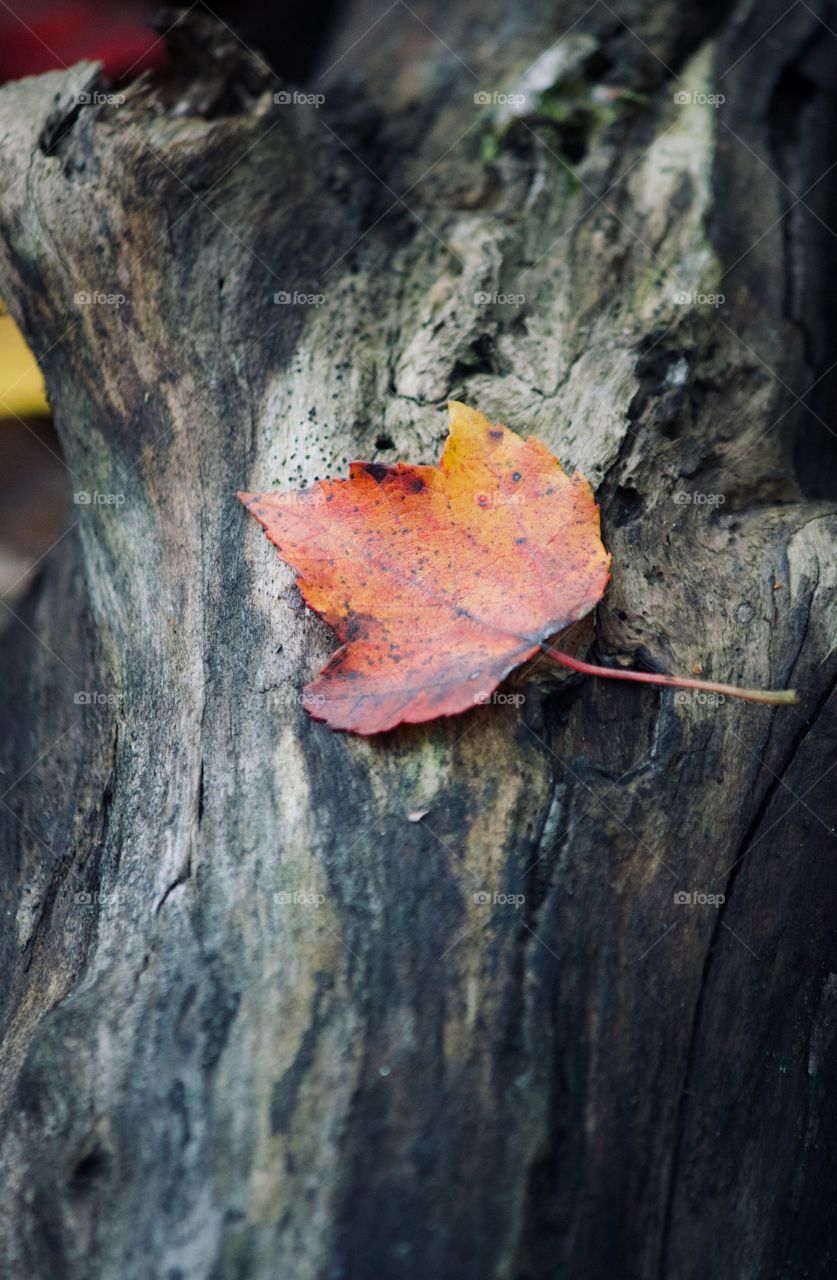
(439, 581)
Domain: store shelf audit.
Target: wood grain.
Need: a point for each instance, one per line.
(259, 1022)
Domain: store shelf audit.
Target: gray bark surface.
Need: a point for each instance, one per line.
(203, 1080)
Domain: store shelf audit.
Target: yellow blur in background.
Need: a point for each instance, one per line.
(21, 385)
(34, 483)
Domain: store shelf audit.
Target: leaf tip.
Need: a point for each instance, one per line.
(463, 416)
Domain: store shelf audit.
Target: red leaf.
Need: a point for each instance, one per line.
(439, 581)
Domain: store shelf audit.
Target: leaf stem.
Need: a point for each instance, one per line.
(773, 696)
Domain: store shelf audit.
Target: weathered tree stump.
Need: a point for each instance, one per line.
(257, 1021)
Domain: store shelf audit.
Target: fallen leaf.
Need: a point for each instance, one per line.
(439, 581)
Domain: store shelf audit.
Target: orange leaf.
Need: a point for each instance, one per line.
(438, 581)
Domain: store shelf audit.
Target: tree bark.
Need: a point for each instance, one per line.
(260, 1021)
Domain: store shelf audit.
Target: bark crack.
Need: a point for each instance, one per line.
(776, 781)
